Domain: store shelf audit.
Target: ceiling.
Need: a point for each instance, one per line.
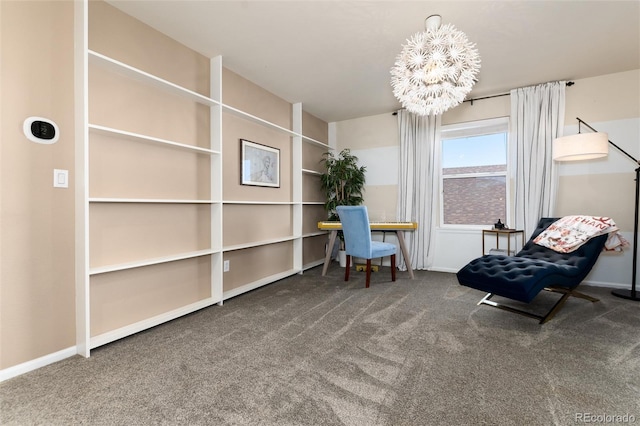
(335, 56)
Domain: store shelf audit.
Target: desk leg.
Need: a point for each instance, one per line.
(327, 257)
(405, 253)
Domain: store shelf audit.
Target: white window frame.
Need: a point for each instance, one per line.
(475, 128)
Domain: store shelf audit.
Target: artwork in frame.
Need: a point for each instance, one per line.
(260, 164)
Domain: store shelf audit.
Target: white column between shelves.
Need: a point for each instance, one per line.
(216, 164)
(296, 182)
(333, 141)
(81, 105)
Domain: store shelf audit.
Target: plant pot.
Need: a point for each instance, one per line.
(342, 258)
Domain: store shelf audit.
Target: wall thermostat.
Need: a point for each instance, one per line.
(41, 130)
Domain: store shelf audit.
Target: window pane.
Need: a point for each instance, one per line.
(469, 154)
(474, 200)
(475, 151)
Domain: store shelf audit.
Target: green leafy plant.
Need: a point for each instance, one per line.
(342, 182)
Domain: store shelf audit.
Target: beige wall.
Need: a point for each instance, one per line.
(479, 110)
(604, 98)
(605, 186)
(371, 132)
(246, 96)
(37, 294)
(141, 47)
(314, 128)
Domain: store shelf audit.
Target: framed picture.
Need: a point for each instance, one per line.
(260, 164)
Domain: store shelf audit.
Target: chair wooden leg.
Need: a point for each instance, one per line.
(347, 267)
(368, 272)
(393, 267)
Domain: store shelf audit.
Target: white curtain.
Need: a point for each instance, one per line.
(418, 185)
(537, 118)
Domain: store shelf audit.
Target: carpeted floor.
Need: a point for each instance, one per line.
(313, 350)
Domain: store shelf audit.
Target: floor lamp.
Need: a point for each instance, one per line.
(587, 146)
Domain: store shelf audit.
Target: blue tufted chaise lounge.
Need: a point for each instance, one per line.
(531, 270)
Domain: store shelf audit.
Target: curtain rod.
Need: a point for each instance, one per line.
(568, 84)
(472, 100)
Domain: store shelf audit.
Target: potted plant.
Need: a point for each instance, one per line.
(342, 182)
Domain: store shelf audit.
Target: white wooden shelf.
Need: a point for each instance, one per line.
(148, 139)
(150, 262)
(314, 142)
(258, 243)
(149, 201)
(263, 122)
(260, 203)
(314, 234)
(313, 203)
(142, 76)
(312, 172)
(258, 120)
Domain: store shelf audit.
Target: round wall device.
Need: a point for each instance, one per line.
(41, 130)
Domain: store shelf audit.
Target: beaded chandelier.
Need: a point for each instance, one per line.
(436, 69)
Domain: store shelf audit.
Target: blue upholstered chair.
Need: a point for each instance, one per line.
(358, 243)
(531, 270)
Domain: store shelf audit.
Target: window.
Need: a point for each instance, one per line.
(474, 180)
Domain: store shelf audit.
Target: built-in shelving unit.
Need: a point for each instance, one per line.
(111, 283)
(210, 254)
(154, 203)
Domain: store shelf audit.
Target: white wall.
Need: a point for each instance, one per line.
(604, 187)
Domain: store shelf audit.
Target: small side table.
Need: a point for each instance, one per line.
(509, 233)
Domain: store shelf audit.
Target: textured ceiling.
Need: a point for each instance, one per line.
(335, 56)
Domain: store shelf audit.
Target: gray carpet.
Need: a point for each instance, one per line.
(313, 350)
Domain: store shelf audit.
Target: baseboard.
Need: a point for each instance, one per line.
(449, 270)
(607, 285)
(313, 264)
(25, 367)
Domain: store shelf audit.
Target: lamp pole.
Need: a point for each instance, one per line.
(629, 294)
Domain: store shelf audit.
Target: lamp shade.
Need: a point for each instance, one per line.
(583, 146)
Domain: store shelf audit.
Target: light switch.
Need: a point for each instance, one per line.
(60, 178)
